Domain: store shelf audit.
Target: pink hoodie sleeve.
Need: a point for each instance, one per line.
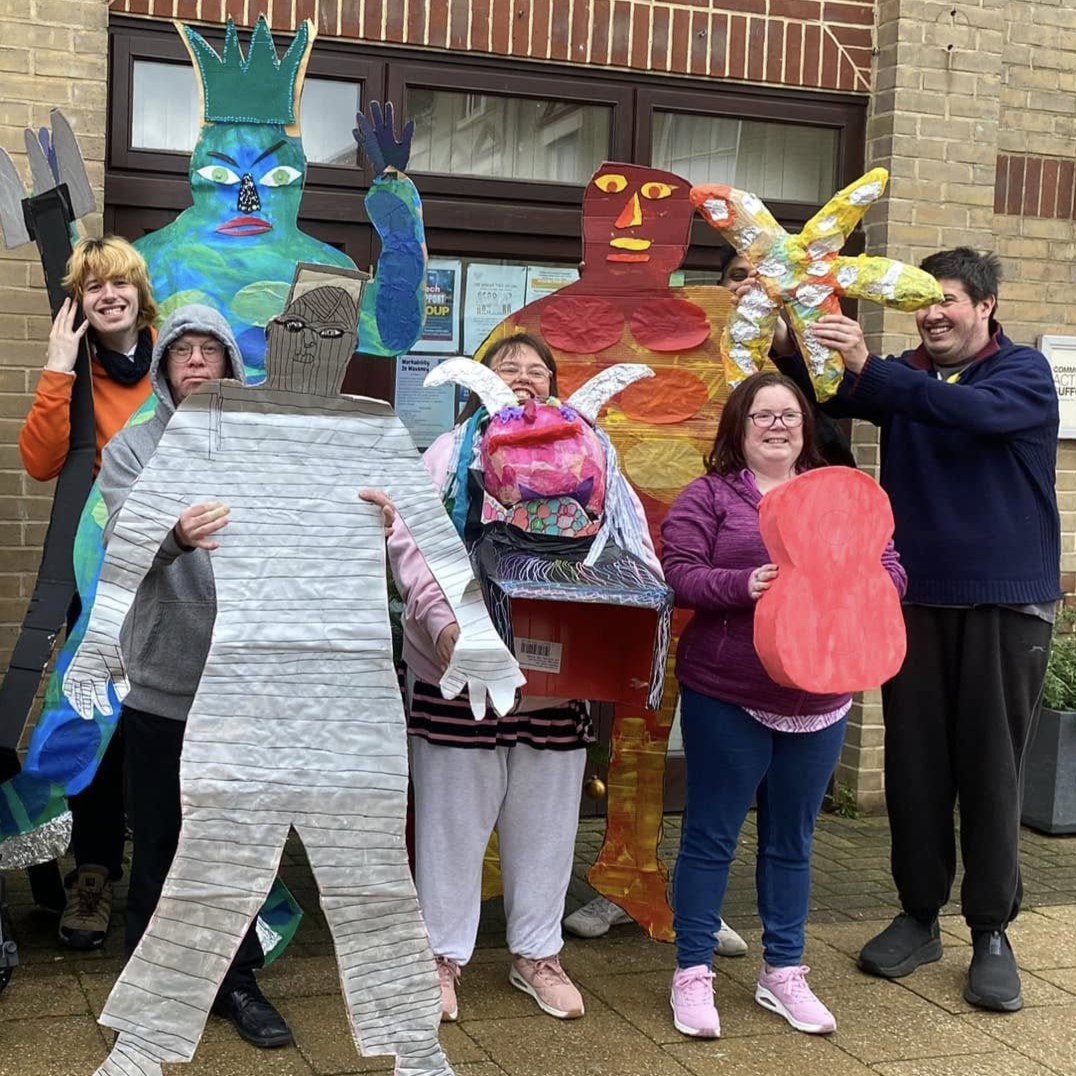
(426, 610)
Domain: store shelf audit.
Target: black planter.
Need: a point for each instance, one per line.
(1050, 774)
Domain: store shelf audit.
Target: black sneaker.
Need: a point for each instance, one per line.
(253, 1015)
(993, 981)
(905, 944)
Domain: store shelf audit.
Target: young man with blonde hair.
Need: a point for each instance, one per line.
(109, 283)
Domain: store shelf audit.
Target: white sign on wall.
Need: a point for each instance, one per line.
(1060, 352)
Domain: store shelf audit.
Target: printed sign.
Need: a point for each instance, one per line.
(1060, 352)
(442, 331)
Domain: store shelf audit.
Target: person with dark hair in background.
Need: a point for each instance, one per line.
(831, 441)
(745, 736)
(969, 425)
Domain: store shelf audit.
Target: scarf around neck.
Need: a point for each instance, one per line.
(127, 370)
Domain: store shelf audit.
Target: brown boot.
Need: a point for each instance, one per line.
(84, 923)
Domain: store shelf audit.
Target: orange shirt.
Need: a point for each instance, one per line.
(46, 433)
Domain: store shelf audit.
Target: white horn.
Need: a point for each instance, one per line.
(589, 399)
(492, 391)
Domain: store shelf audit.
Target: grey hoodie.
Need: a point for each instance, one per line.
(165, 639)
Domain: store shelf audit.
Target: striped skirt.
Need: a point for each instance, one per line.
(450, 723)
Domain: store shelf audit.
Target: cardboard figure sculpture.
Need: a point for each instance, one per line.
(251, 108)
(299, 670)
(236, 247)
(60, 196)
(636, 228)
(826, 531)
(804, 275)
(560, 554)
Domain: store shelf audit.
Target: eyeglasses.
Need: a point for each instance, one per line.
(511, 369)
(297, 325)
(211, 351)
(765, 419)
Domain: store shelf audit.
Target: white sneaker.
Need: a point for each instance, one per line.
(729, 943)
(594, 919)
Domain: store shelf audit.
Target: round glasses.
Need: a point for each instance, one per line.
(210, 351)
(533, 373)
(765, 419)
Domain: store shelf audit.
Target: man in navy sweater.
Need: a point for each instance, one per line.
(969, 424)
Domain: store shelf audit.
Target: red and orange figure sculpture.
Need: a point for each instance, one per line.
(636, 230)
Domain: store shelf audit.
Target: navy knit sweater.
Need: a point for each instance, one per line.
(969, 467)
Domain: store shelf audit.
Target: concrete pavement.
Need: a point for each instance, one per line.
(919, 1026)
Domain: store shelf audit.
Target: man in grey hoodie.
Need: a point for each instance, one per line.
(165, 642)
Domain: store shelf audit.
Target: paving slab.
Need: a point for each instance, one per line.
(918, 1026)
(1045, 1035)
(796, 1053)
(50, 1046)
(602, 1044)
(881, 1021)
(1001, 1062)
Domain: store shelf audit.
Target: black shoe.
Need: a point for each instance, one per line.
(253, 1015)
(993, 981)
(905, 944)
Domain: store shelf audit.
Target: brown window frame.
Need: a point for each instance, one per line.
(475, 215)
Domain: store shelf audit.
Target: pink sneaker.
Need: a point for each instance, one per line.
(785, 992)
(694, 1011)
(545, 980)
(448, 972)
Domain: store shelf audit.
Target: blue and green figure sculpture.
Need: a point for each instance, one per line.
(235, 249)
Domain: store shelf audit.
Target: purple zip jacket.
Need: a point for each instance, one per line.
(711, 545)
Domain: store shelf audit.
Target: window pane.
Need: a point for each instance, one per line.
(507, 137)
(165, 113)
(778, 161)
(326, 116)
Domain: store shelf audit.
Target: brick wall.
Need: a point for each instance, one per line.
(974, 114)
(812, 43)
(52, 54)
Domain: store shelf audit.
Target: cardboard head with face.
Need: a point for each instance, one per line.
(636, 224)
(310, 343)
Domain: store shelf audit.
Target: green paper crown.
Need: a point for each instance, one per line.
(257, 89)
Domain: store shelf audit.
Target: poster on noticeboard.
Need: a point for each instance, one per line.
(493, 293)
(1060, 352)
(442, 330)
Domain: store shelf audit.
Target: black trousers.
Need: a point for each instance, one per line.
(958, 716)
(153, 745)
(98, 825)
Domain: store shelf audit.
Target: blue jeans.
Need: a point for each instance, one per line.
(730, 759)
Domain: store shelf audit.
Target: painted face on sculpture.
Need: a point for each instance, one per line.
(542, 449)
(246, 180)
(312, 341)
(636, 222)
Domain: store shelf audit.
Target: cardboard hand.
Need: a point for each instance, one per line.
(481, 662)
(377, 138)
(96, 664)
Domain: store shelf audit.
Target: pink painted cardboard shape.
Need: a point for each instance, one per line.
(831, 622)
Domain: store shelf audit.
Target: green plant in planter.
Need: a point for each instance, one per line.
(1060, 689)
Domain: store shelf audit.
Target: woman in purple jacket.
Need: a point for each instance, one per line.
(745, 737)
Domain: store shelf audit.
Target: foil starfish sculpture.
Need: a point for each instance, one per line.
(804, 275)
